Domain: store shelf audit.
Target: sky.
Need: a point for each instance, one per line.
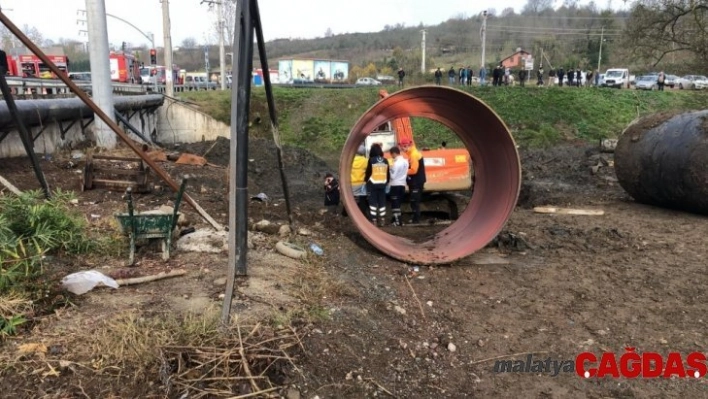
(190, 19)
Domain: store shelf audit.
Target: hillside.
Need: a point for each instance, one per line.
(321, 119)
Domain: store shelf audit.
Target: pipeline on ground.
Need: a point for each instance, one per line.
(496, 165)
(662, 160)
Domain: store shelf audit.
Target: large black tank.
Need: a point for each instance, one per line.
(663, 160)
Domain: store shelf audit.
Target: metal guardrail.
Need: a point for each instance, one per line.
(58, 87)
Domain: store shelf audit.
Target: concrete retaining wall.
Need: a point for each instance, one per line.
(180, 123)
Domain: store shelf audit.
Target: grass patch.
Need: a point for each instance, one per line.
(31, 229)
(320, 119)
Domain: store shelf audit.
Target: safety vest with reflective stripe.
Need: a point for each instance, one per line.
(379, 172)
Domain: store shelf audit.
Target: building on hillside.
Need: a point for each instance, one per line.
(516, 60)
(312, 71)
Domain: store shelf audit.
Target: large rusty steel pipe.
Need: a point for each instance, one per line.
(496, 164)
(662, 160)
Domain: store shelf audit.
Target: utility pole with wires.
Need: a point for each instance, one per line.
(422, 46)
(169, 69)
(484, 38)
(599, 58)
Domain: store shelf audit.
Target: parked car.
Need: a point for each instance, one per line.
(84, 76)
(367, 82)
(646, 82)
(693, 82)
(671, 80)
(617, 77)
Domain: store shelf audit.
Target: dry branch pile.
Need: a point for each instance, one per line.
(247, 366)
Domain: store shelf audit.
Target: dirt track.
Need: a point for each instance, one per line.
(633, 277)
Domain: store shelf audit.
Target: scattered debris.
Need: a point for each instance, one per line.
(608, 145)
(191, 159)
(290, 250)
(147, 279)
(82, 282)
(284, 231)
(260, 197)
(204, 240)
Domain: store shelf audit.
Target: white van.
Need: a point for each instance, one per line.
(617, 78)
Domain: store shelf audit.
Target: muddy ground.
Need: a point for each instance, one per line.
(552, 286)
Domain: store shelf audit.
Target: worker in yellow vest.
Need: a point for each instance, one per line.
(377, 178)
(358, 183)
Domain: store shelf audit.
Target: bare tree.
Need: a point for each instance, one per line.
(228, 17)
(189, 43)
(328, 33)
(535, 7)
(507, 12)
(660, 27)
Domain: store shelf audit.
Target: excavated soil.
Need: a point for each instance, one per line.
(551, 286)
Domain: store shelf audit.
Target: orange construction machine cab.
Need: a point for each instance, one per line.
(446, 169)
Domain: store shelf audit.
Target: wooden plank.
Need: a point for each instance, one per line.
(125, 172)
(568, 211)
(9, 185)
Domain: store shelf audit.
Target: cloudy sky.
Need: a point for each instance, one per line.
(281, 18)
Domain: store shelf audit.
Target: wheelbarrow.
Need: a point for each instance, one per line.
(150, 225)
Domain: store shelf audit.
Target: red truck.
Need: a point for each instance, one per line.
(125, 68)
(30, 66)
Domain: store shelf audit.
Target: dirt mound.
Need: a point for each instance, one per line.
(567, 175)
(303, 170)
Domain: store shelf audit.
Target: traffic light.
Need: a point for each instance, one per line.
(153, 56)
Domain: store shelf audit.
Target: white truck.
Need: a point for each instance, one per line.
(617, 78)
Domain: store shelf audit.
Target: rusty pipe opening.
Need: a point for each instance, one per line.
(497, 171)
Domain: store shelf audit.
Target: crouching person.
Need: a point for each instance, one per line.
(331, 200)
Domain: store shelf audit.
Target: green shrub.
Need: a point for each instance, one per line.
(31, 227)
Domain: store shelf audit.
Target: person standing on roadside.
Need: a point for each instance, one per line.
(660, 81)
(438, 77)
(401, 75)
(399, 174)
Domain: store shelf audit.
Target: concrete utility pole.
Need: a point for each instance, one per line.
(222, 50)
(422, 45)
(168, 48)
(100, 70)
(599, 59)
(484, 38)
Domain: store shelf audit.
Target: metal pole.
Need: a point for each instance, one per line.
(271, 105)
(152, 43)
(222, 50)
(100, 69)
(422, 62)
(238, 192)
(24, 134)
(103, 116)
(169, 72)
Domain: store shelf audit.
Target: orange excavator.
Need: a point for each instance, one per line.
(446, 169)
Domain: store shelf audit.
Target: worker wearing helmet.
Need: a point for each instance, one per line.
(416, 175)
(358, 183)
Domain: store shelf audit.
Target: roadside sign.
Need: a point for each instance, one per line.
(528, 64)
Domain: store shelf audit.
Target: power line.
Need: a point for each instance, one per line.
(555, 33)
(548, 28)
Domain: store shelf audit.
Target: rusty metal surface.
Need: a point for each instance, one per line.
(496, 163)
(662, 160)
